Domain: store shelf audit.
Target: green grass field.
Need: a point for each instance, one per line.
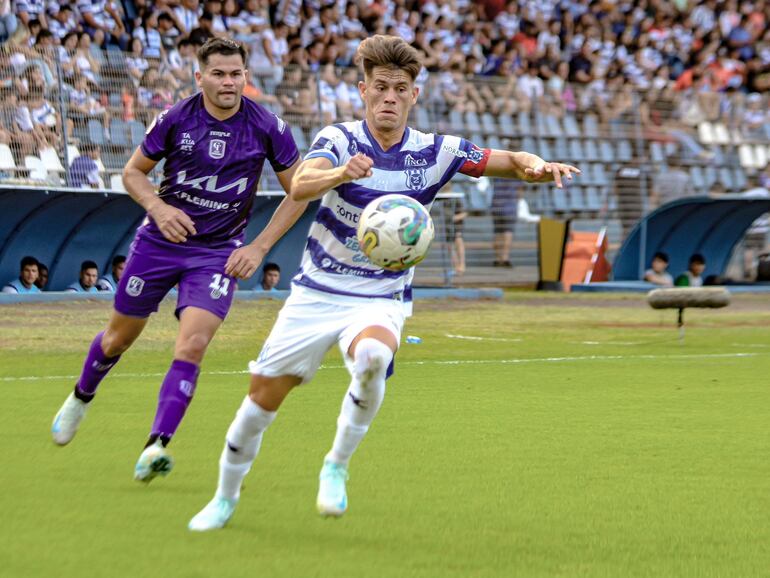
(576, 438)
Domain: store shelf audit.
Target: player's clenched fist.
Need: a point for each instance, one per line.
(358, 167)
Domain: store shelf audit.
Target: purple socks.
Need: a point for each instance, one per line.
(95, 368)
(175, 395)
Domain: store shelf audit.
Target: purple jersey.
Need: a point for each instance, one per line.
(213, 166)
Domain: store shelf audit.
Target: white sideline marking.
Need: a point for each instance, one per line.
(763, 345)
(438, 362)
(474, 338)
(607, 342)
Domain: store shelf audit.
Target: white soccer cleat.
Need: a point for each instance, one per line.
(332, 499)
(67, 420)
(155, 460)
(214, 516)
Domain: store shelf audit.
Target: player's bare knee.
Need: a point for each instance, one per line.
(192, 348)
(116, 343)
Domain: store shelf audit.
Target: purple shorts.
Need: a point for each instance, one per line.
(155, 266)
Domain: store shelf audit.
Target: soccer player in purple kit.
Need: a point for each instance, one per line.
(215, 144)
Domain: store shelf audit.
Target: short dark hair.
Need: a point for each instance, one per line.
(391, 52)
(88, 265)
(271, 267)
(697, 258)
(42, 266)
(660, 255)
(224, 46)
(27, 261)
(88, 147)
(118, 259)
(42, 35)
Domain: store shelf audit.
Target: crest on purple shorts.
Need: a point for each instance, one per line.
(134, 286)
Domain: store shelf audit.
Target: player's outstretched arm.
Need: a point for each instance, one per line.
(172, 222)
(527, 167)
(316, 176)
(245, 261)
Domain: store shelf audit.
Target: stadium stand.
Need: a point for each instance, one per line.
(648, 84)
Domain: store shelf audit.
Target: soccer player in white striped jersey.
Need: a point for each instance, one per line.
(338, 296)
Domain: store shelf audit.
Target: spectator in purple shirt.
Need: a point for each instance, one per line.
(84, 172)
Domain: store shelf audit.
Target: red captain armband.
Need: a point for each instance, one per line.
(476, 162)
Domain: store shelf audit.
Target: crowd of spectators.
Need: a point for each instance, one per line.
(33, 277)
(669, 64)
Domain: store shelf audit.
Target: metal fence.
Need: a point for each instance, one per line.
(637, 150)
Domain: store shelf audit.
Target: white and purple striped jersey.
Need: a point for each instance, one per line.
(419, 166)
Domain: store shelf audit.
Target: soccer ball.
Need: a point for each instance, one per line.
(395, 232)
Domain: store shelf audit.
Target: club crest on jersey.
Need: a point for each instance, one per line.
(475, 155)
(134, 286)
(415, 179)
(217, 148)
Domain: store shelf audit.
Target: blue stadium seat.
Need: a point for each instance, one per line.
(113, 160)
(726, 178)
(488, 123)
(545, 150)
(456, 121)
(507, 128)
(740, 178)
(571, 126)
(116, 58)
(711, 176)
(561, 150)
(591, 126)
(719, 155)
(299, 138)
(493, 142)
(524, 123)
(590, 152)
(136, 129)
(576, 153)
(593, 199)
(472, 120)
(625, 152)
(560, 202)
(528, 144)
(95, 132)
(552, 126)
(606, 152)
(423, 119)
(119, 133)
(576, 200)
(599, 174)
(698, 178)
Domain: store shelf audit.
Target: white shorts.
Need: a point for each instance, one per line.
(311, 322)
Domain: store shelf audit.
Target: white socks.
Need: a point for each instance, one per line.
(363, 398)
(241, 447)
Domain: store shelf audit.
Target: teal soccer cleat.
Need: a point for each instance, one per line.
(214, 516)
(154, 461)
(332, 499)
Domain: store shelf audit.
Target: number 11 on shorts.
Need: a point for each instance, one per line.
(219, 285)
